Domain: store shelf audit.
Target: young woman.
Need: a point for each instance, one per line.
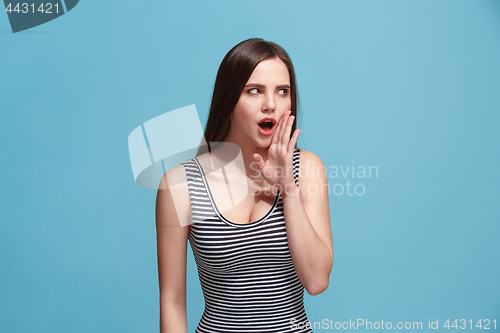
(255, 256)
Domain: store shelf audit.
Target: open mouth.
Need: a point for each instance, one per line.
(266, 125)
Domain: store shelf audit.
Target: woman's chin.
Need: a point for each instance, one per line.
(264, 144)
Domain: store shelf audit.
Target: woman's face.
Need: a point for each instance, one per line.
(264, 100)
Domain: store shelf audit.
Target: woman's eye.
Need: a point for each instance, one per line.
(254, 91)
(283, 92)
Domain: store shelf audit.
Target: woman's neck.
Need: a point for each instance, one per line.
(247, 150)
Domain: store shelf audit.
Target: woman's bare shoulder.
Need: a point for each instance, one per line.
(311, 168)
(308, 157)
(310, 161)
(173, 197)
(174, 176)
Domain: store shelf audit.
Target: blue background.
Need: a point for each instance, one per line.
(411, 87)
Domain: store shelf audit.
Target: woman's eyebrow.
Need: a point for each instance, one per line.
(258, 85)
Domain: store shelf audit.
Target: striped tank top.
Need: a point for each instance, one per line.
(246, 272)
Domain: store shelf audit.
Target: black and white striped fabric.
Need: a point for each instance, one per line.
(246, 271)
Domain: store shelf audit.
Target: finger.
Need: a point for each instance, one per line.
(293, 140)
(285, 139)
(276, 132)
(259, 160)
(283, 120)
(257, 166)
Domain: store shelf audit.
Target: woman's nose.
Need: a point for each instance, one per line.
(269, 103)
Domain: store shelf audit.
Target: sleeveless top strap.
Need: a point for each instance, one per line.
(201, 207)
(296, 159)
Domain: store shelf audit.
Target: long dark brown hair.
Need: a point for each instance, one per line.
(234, 72)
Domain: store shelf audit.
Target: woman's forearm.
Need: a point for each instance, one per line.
(311, 257)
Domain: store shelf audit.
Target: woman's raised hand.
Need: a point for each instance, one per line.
(278, 169)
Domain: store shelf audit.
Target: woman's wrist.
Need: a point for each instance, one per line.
(290, 190)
